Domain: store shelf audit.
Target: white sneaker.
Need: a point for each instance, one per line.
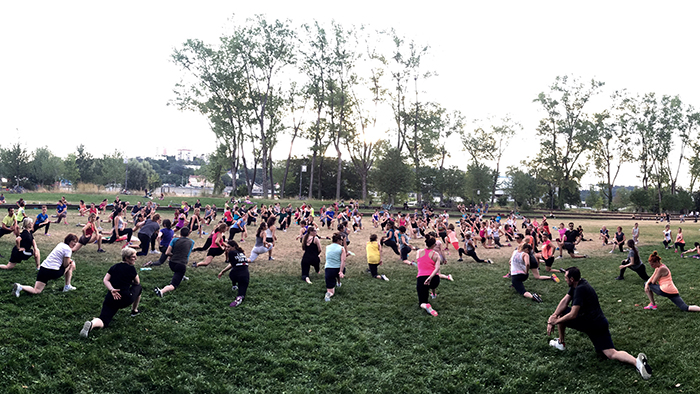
(327, 297)
(385, 278)
(610, 251)
(68, 288)
(351, 253)
(16, 289)
(557, 258)
(556, 344)
(86, 329)
(643, 366)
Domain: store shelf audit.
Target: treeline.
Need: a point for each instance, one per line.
(327, 83)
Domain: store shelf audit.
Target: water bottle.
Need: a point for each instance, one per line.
(146, 269)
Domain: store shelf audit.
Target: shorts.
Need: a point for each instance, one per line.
(17, 257)
(332, 277)
(549, 262)
(45, 275)
(598, 333)
(568, 246)
(83, 240)
(268, 240)
(215, 252)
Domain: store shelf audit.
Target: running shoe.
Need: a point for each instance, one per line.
(338, 284)
(619, 278)
(327, 297)
(651, 307)
(433, 296)
(562, 270)
(610, 252)
(489, 261)
(135, 313)
(643, 366)
(100, 251)
(270, 258)
(185, 278)
(450, 278)
(555, 279)
(385, 278)
(67, 288)
(536, 297)
(194, 265)
(460, 259)
(86, 329)
(557, 258)
(16, 289)
(158, 292)
(236, 302)
(430, 310)
(556, 344)
(234, 288)
(351, 253)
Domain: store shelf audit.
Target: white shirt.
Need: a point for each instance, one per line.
(55, 259)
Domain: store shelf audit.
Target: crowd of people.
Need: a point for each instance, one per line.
(422, 239)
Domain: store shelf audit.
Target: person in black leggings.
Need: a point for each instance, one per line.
(390, 238)
(148, 234)
(471, 250)
(311, 246)
(239, 275)
(633, 262)
(124, 289)
(179, 252)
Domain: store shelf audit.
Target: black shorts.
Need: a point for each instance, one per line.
(269, 240)
(215, 252)
(598, 333)
(549, 262)
(83, 240)
(45, 275)
(332, 276)
(568, 246)
(17, 257)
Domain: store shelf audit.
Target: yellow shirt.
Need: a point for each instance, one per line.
(9, 221)
(373, 253)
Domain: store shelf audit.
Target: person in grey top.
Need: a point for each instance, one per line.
(633, 262)
(179, 252)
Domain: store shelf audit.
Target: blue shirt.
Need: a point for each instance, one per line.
(41, 218)
(166, 237)
(61, 207)
(333, 252)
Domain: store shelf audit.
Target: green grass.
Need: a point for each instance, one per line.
(372, 337)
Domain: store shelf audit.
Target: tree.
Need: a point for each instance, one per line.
(45, 168)
(70, 169)
(522, 187)
(15, 162)
(297, 101)
(86, 164)
(114, 169)
(566, 134)
(594, 199)
(641, 199)
(478, 182)
(391, 175)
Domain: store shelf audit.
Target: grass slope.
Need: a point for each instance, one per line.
(372, 337)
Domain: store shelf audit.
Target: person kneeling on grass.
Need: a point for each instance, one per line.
(586, 316)
(123, 290)
(25, 247)
(179, 253)
(633, 262)
(239, 275)
(55, 266)
(661, 283)
(374, 257)
(335, 265)
(427, 279)
(695, 250)
(519, 267)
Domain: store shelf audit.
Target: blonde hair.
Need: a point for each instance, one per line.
(28, 223)
(128, 252)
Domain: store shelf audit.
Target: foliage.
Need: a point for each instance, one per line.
(477, 184)
(522, 187)
(641, 199)
(45, 168)
(15, 162)
(391, 174)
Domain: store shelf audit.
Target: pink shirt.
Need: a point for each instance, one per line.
(426, 265)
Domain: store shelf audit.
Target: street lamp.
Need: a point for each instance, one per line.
(301, 172)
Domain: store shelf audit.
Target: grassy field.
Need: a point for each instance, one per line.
(372, 337)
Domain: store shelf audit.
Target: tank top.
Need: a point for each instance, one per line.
(90, 230)
(426, 265)
(372, 249)
(452, 236)
(268, 233)
(666, 282)
(333, 252)
(517, 264)
(259, 242)
(679, 238)
(311, 252)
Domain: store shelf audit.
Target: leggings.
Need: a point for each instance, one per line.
(641, 271)
(405, 250)
(472, 254)
(681, 246)
(497, 241)
(110, 306)
(620, 245)
(145, 244)
(240, 277)
(163, 257)
(392, 244)
(423, 289)
(178, 273)
(45, 225)
(307, 263)
(206, 246)
(257, 251)
(675, 298)
(666, 243)
(373, 270)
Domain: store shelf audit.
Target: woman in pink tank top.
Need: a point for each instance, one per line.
(427, 280)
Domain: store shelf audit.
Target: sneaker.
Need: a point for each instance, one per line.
(234, 288)
(557, 258)
(88, 325)
(327, 297)
(338, 284)
(100, 251)
(489, 261)
(351, 253)
(619, 278)
(643, 366)
(67, 288)
(450, 278)
(536, 297)
(555, 279)
(135, 313)
(430, 310)
(194, 265)
(236, 302)
(155, 251)
(651, 307)
(185, 278)
(47, 235)
(433, 296)
(385, 278)
(507, 275)
(556, 344)
(610, 252)
(562, 270)
(270, 258)
(367, 271)
(460, 259)
(158, 292)
(16, 289)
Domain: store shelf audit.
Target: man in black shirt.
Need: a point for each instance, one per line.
(586, 316)
(571, 238)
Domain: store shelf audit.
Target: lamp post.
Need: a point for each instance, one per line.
(126, 176)
(302, 170)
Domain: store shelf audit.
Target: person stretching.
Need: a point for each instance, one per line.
(240, 277)
(216, 249)
(42, 220)
(661, 283)
(261, 246)
(25, 247)
(696, 250)
(335, 265)
(519, 267)
(123, 290)
(586, 316)
(680, 243)
(374, 257)
(55, 266)
(179, 253)
(427, 279)
(311, 246)
(633, 262)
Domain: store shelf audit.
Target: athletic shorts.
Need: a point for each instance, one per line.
(598, 333)
(569, 247)
(332, 275)
(549, 262)
(17, 257)
(83, 240)
(215, 252)
(45, 275)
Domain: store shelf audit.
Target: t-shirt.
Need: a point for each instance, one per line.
(20, 214)
(181, 248)
(26, 241)
(121, 276)
(166, 237)
(584, 296)
(571, 236)
(55, 259)
(236, 257)
(634, 259)
(333, 252)
(41, 218)
(149, 228)
(619, 236)
(8, 220)
(61, 208)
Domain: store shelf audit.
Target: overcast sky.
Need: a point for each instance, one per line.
(99, 73)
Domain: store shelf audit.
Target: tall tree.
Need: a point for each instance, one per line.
(45, 168)
(391, 175)
(567, 134)
(297, 101)
(15, 162)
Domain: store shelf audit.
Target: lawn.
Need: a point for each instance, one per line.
(372, 336)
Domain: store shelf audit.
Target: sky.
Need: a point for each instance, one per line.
(99, 73)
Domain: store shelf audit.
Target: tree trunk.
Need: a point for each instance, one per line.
(311, 175)
(286, 167)
(272, 182)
